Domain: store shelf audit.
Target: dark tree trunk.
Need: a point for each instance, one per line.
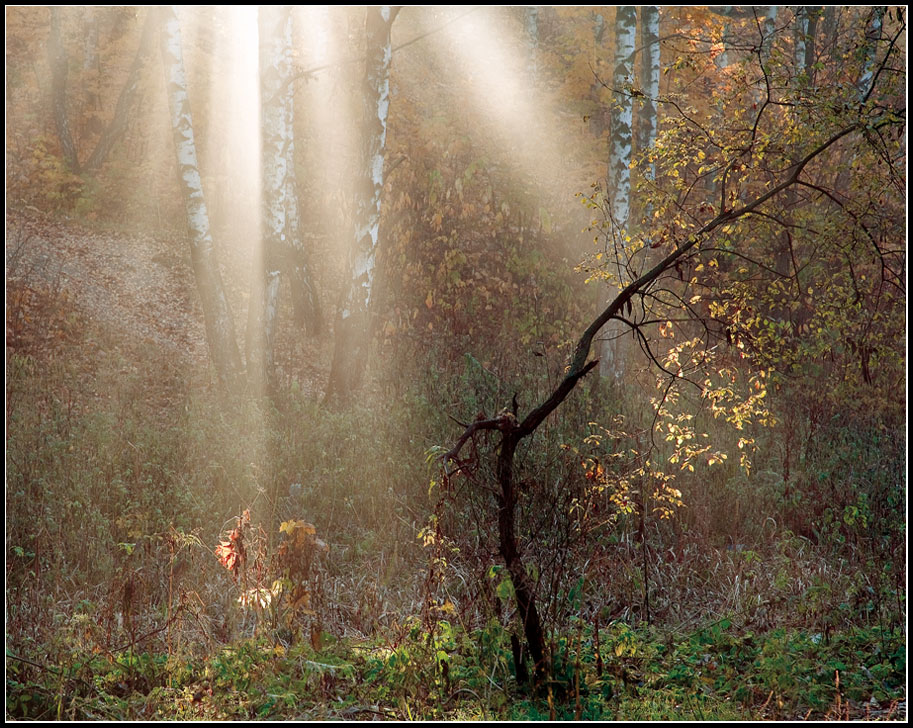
(507, 537)
(125, 101)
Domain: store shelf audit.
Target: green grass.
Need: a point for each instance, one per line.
(714, 673)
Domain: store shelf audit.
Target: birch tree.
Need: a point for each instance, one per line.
(275, 36)
(619, 172)
(352, 324)
(220, 330)
(649, 81)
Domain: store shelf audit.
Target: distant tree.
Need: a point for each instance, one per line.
(60, 68)
(648, 80)
(126, 100)
(531, 21)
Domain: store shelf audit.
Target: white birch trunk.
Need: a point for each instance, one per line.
(220, 331)
(619, 172)
(619, 176)
(649, 80)
(275, 40)
(353, 331)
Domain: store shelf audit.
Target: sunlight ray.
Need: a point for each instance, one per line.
(493, 66)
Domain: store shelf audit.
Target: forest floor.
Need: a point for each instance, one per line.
(134, 284)
(154, 632)
(138, 288)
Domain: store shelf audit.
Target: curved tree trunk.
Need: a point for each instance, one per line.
(115, 129)
(352, 324)
(220, 330)
(128, 95)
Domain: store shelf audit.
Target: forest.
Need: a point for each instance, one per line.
(456, 363)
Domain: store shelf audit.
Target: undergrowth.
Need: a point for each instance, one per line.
(125, 472)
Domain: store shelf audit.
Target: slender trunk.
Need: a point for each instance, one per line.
(811, 36)
(57, 56)
(304, 291)
(800, 40)
(275, 35)
(649, 80)
(128, 96)
(619, 171)
(352, 326)
(220, 330)
(767, 30)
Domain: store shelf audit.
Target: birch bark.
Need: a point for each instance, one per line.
(275, 42)
(619, 172)
(220, 331)
(352, 325)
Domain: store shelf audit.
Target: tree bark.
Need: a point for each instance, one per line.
(619, 172)
(352, 324)
(275, 36)
(220, 330)
(649, 79)
(524, 590)
(531, 21)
